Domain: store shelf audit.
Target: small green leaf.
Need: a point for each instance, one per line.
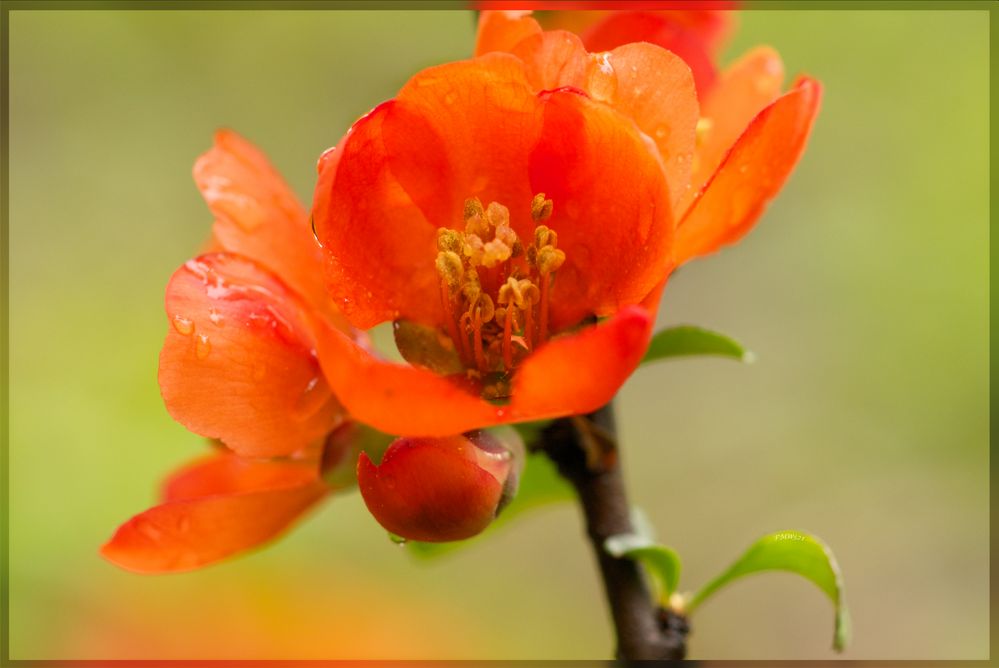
(661, 562)
(794, 552)
(540, 484)
(688, 340)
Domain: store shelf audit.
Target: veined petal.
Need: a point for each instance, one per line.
(257, 215)
(397, 398)
(238, 361)
(504, 30)
(581, 372)
(752, 172)
(215, 508)
(611, 206)
(744, 89)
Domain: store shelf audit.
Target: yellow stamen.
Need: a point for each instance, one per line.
(495, 289)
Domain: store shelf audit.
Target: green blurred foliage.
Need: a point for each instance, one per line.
(863, 292)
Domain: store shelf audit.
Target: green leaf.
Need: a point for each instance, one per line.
(687, 340)
(540, 485)
(794, 552)
(661, 562)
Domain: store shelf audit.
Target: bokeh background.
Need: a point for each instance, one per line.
(863, 293)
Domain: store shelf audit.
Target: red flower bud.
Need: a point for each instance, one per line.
(442, 489)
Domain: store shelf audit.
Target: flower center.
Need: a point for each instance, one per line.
(494, 289)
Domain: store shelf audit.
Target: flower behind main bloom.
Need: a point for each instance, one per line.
(517, 215)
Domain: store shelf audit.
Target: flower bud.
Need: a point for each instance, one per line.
(442, 489)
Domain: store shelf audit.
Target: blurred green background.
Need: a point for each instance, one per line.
(863, 292)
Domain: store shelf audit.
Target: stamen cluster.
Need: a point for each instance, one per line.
(494, 288)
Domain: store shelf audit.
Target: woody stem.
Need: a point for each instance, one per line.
(644, 630)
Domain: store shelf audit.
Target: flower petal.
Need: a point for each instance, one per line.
(611, 207)
(226, 473)
(238, 362)
(663, 29)
(751, 173)
(581, 372)
(503, 30)
(655, 89)
(215, 508)
(554, 59)
(743, 90)
(397, 398)
(257, 215)
(430, 489)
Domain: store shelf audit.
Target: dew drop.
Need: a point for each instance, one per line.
(603, 80)
(398, 540)
(217, 318)
(662, 132)
(183, 325)
(202, 346)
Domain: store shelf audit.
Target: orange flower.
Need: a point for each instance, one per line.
(498, 207)
(239, 365)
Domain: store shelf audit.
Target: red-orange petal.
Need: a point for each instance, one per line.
(397, 398)
(225, 473)
(214, 508)
(751, 174)
(744, 89)
(581, 372)
(504, 30)
(553, 59)
(430, 489)
(612, 206)
(406, 168)
(258, 216)
(655, 89)
(238, 361)
(663, 29)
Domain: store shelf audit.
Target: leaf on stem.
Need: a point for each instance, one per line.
(794, 552)
(687, 340)
(661, 563)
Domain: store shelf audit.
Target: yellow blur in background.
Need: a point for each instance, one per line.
(863, 293)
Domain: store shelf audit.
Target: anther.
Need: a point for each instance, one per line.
(473, 207)
(541, 208)
(450, 268)
(497, 214)
(550, 259)
(545, 236)
(448, 240)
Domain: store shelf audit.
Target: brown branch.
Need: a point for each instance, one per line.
(584, 450)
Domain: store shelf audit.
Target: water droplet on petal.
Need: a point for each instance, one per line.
(662, 132)
(202, 346)
(217, 318)
(183, 325)
(603, 80)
